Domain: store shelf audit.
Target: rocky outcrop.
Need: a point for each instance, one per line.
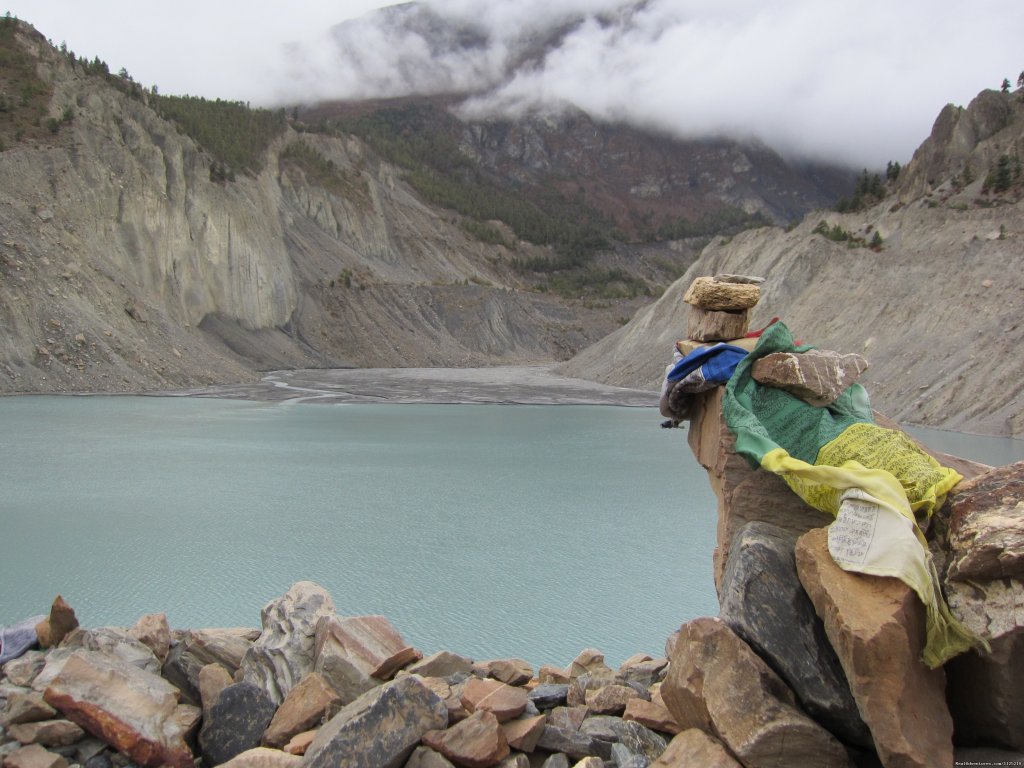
(985, 583)
(127, 267)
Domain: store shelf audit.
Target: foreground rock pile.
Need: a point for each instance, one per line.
(319, 689)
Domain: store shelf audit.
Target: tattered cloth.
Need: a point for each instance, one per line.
(871, 478)
(18, 638)
(705, 367)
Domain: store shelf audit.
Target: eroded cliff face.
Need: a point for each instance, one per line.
(125, 267)
(936, 311)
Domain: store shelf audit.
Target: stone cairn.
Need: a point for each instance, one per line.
(806, 666)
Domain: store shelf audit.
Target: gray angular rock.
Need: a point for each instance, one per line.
(235, 723)
(284, 652)
(380, 729)
(603, 727)
(116, 643)
(573, 743)
(549, 695)
(764, 603)
(640, 740)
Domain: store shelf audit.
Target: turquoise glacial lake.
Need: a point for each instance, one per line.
(488, 530)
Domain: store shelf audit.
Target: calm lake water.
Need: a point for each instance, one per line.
(487, 530)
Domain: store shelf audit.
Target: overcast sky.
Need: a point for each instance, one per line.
(858, 81)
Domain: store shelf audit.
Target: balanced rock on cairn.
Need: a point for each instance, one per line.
(719, 312)
(720, 306)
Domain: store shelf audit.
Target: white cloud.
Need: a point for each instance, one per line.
(854, 80)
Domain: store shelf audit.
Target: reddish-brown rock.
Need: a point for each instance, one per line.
(695, 748)
(504, 701)
(60, 622)
(476, 742)
(510, 671)
(717, 684)
(34, 756)
(304, 707)
(299, 743)
(744, 494)
(876, 625)
(132, 710)
(524, 733)
(372, 643)
(653, 714)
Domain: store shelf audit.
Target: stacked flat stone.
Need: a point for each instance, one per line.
(720, 306)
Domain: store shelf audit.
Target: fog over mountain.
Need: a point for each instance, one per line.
(852, 81)
(858, 82)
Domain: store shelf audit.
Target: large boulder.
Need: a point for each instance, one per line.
(764, 603)
(985, 587)
(283, 654)
(718, 684)
(877, 626)
(744, 494)
(134, 711)
(380, 729)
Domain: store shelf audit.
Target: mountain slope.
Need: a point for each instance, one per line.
(128, 262)
(937, 310)
(136, 257)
